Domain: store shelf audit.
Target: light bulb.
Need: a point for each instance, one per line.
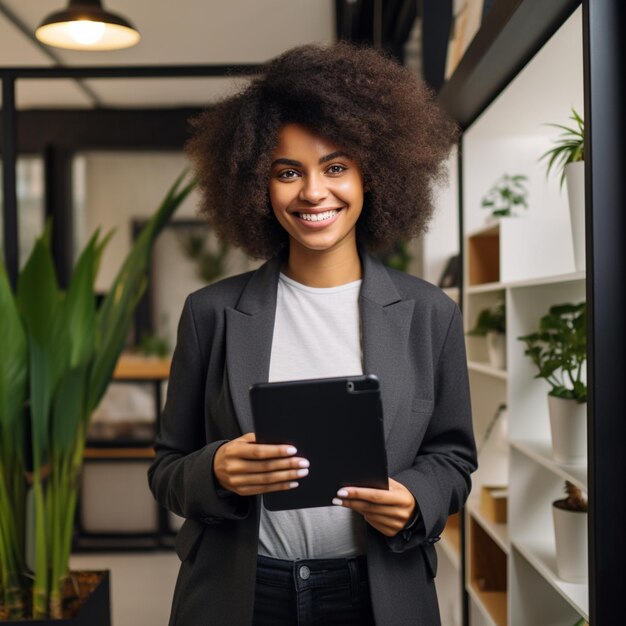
(86, 32)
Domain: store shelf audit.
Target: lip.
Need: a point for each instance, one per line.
(317, 225)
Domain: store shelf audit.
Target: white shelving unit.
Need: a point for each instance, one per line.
(527, 262)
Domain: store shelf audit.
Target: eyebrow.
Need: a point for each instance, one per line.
(324, 159)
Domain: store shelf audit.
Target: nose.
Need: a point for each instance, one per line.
(313, 189)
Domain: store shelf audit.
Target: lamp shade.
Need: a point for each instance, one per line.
(85, 25)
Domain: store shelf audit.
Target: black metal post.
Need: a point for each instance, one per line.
(58, 189)
(604, 22)
(9, 178)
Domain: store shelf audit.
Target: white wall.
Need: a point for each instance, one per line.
(114, 188)
(442, 239)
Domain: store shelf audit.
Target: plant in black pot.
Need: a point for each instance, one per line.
(58, 350)
(570, 530)
(559, 351)
(491, 324)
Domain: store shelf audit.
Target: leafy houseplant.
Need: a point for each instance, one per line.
(491, 323)
(58, 351)
(209, 264)
(490, 320)
(570, 529)
(568, 148)
(507, 193)
(567, 155)
(559, 351)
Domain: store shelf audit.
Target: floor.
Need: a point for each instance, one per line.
(142, 584)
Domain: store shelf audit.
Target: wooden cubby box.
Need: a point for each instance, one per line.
(483, 262)
(487, 573)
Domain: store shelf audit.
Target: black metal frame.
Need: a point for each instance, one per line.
(510, 35)
(9, 76)
(605, 136)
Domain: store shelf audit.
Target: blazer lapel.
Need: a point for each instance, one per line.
(249, 331)
(385, 325)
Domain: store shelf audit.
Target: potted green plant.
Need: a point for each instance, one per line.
(567, 158)
(559, 350)
(570, 532)
(491, 324)
(58, 350)
(507, 193)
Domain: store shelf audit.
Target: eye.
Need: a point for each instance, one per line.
(287, 174)
(336, 168)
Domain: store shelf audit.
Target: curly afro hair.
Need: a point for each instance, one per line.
(356, 98)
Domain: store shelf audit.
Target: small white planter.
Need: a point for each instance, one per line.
(570, 533)
(575, 181)
(496, 349)
(568, 427)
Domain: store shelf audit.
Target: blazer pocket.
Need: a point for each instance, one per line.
(430, 558)
(188, 538)
(420, 405)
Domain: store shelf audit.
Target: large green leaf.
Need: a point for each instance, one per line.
(67, 410)
(13, 371)
(115, 314)
(41, 308)
(80, 305)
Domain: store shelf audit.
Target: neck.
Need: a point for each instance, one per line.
(327, 268)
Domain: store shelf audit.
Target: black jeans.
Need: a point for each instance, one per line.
(311, 592)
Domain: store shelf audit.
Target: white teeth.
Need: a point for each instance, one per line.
(319, 217)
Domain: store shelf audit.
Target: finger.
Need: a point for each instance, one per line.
(367, 508)
(376, 496)
(247, 466)
(269, 478)
(263, 451)
(256, 490)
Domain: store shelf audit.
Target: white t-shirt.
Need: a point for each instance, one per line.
(316, 335)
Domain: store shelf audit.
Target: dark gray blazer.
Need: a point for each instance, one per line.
(412, 339)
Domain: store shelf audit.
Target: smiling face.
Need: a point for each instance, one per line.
(316, 191)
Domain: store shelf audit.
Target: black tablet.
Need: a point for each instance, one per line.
(335, 423)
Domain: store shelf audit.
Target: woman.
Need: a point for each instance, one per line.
(328, 154)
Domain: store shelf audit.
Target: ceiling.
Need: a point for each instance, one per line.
(173, 33)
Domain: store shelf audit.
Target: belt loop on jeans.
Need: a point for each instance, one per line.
(354, 580)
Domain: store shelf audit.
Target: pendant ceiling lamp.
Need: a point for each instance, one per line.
(85, 25)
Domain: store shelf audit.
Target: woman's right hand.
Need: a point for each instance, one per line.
(248, 468)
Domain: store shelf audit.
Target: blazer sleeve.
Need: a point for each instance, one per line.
(440, 476)
(181, 476)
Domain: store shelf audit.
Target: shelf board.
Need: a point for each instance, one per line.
(492, 604)
(485, 288)
(498, 532)
(541, 452)
(119, 453)
(510, 35)
(530, 282)
(541, 554)
(141, 368)
(485, 368)
(547, 280)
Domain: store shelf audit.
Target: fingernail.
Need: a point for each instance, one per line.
(303, 463)
(293, 485)
(337, 501)
(291, 450)
(302, 472)
(342, 493)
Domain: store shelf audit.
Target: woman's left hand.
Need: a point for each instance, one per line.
(387, 511)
